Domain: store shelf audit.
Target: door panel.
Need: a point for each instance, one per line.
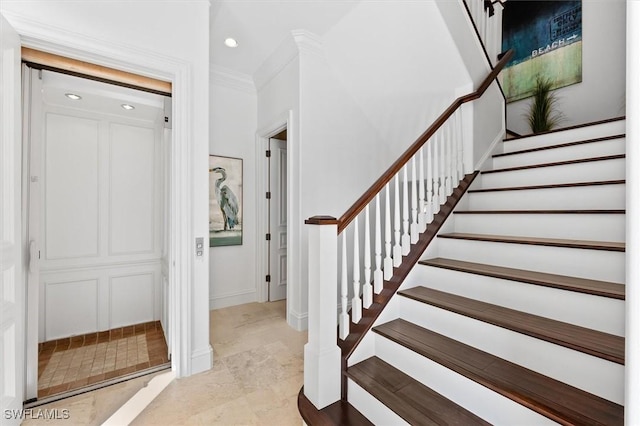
(11, 260)
(278, 220)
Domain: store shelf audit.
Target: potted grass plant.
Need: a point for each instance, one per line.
(543, 115)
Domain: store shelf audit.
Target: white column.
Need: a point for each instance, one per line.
(632, 356)
(322, 364)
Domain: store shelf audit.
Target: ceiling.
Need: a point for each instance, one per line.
(260, 26)
(103, 98)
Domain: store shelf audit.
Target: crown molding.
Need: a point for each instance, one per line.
(300, 41)
(286, 52)
(226, 77)
(308, 42)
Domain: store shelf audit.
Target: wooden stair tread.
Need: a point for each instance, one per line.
(581, 285)
(563, 129)
(339, 413)
(552, 242)
(614, 211)
(556, 400)
(552, 186)
(561, 145)
(410, 399)
(596, 343)
(556, 163)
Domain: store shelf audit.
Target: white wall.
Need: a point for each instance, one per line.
(232, 269)
(360, 95)
(167, 39)
(278, 85)
(601, 94)
(398, 63)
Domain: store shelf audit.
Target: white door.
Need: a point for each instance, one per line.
(11, 261)
(278, 219)
(31, 150)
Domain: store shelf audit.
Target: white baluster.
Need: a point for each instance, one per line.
(483, 22)
(388, 260)
(460, 141)
(473, 7)
(454, 155)
(422, 216)
(450, 182)
(436, 173)
(377, 273)
(406, 241)
(445, 160)
(367, 289)
(429, 181)
(344, 292)
(442, 188)
(397, 248)
(356, 302)
(415, 234)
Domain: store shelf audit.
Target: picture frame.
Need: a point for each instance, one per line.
(225, 201)
(546, 38)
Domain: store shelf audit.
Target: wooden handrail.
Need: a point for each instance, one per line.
(378, 185)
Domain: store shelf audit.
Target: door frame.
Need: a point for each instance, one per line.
(178, 73)
(294, 303)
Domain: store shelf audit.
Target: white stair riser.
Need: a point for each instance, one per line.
(592, 374)
(570, 173)
(582, 263)
(598, 313)
(596, 227)
(470, 395)
(573, 152)
(567, 198)
(583, 133)
(370, 407)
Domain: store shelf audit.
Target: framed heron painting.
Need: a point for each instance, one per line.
(225, 201)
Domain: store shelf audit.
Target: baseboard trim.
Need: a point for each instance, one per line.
(299, 322)
(201, 360)
(233, 299)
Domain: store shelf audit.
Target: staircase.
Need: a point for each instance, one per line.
(515, 314)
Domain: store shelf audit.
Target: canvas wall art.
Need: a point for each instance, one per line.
(225, 201)
(546, 37)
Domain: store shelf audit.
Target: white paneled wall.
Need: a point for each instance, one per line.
(100, 207)
(71, 186)
(131, 195)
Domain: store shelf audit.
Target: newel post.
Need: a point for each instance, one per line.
(322, 364)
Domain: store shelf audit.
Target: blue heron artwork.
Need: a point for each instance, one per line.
(225, 201)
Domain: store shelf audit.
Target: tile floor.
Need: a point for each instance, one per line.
(71, 363)
(255, 379)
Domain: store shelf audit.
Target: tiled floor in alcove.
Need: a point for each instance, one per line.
(255, 379)
(72, 363)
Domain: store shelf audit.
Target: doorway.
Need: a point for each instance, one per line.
(97, 211)
(277, 207)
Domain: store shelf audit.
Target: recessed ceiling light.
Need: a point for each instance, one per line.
(128, 107)
(73, 96)
(230, 42)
